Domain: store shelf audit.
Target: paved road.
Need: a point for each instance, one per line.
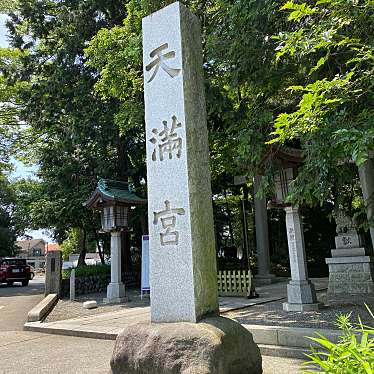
(23, 352)
(31, 353)
(16, 301)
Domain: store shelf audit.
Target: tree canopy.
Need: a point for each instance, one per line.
(290, 73)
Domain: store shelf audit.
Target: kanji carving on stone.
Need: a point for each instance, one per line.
(168, 140)
(168, 219)
(160, 58)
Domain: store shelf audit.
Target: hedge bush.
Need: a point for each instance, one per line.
(86, 271)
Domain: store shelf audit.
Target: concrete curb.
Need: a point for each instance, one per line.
(289, 352)
(295, 337)
(61, 330)
(40, 311)
(272, 340)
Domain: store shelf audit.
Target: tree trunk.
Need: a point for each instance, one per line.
(83, 251)
(101, 254)
(123, 165)
(126, 254)
(122, 174)
(143, 221)
(366, 173)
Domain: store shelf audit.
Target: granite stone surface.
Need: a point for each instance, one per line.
(299, 290)
(116, 291)
(213, 346)
(53, 274)
(182, 252)
(350, 277)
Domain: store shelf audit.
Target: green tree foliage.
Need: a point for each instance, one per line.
(71, 134)
(297, 76)
(8, 226)
(7, 5)
(73, 242)
(333, 117)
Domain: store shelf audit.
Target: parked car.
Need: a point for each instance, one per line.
(32, 272)
(14, 270)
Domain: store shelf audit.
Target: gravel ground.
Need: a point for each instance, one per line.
(272, 314)
(66, 309)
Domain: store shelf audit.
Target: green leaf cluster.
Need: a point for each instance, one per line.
(353, 354)
(334, 40)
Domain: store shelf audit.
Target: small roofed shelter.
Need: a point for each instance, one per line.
(114, 200)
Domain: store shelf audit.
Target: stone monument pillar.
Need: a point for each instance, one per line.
(262, 237)
(53, 274)
(179, 191)
(351, 270)
(116, 289)
(301, 295)
(183, 275)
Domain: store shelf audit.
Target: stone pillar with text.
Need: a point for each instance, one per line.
(183, 271)
(53, 273)
(186, 334)
(301, 294)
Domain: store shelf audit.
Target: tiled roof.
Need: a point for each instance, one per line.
(113, 191)
(26, 245)
(52, 247)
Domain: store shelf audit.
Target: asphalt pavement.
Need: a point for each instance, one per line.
(23, 352)
(16, 301)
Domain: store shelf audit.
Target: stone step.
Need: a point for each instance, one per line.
(282, 351)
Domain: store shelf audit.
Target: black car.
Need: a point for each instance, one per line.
(14, 270)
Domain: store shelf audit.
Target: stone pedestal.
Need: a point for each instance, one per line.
(53, 273)
(262, 238)
(116, 289)
(301, 295)
(351, 271)
(350, 278)
(212, 346)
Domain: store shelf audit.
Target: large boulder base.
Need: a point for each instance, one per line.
(216, 345)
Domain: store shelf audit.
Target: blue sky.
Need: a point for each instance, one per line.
(3, 31)
(20, 170)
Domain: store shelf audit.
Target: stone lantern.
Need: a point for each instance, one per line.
(114, 200)
(301, 295)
